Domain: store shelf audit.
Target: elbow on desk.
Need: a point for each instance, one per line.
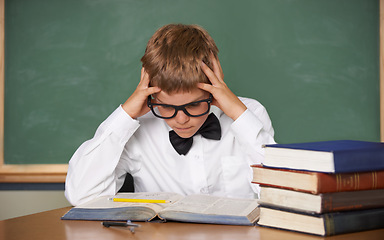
(77, 195)
(76, 199)
(73, 196)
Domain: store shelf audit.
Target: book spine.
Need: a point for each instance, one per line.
(344, 201)
(328, 183)
(355, 221)
(358, 160)
(350, 182)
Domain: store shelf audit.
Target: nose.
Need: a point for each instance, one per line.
(181, 117)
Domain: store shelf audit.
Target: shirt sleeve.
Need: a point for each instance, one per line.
(252, 130)
(92, 168)
(252, 133)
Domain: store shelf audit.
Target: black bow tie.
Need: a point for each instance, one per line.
(210, 129)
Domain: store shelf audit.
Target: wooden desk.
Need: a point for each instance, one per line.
(47, 225)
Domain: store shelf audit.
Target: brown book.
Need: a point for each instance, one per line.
(321, 203)
(316, 182)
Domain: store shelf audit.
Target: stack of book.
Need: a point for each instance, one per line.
(322, 188)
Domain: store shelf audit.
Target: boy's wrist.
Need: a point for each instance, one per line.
(126, 110)
(235, 110)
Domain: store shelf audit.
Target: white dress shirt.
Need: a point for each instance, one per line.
(142, 148)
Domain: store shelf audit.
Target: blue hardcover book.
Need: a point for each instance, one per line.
(340, 156)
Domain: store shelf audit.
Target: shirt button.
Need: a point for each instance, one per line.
(204, 190)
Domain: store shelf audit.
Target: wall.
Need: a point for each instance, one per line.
(15, 203)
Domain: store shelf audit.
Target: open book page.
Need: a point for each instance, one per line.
(105, 209)
(194, 208)
(214, 206)
(107, 202)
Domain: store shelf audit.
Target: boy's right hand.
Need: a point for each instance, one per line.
(223, 97)
(136, 104)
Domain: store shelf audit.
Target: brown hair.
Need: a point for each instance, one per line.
(174, 54)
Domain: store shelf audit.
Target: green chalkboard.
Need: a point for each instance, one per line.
(314, 64)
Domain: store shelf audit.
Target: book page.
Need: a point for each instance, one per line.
(212, 205)
(107, 202)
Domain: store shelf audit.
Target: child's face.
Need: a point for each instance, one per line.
(184, 125)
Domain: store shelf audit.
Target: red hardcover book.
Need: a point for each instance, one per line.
(316, 182)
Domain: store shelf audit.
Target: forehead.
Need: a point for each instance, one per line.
(180, 98)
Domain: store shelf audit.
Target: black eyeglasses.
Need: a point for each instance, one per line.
(193, 109)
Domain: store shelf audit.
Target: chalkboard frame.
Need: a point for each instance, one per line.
(55, 173)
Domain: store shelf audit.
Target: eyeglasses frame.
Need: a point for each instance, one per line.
(178, 108)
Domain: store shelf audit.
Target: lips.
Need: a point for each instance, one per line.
(184, 129)
(184, 132)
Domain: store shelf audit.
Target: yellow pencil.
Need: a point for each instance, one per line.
(140, 200)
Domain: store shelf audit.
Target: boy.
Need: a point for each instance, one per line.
(155, 134)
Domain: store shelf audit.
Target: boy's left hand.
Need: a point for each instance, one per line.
(224, 98)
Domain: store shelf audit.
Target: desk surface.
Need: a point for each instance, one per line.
(47, 225)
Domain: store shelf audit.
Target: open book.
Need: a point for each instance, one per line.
(193, 208)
